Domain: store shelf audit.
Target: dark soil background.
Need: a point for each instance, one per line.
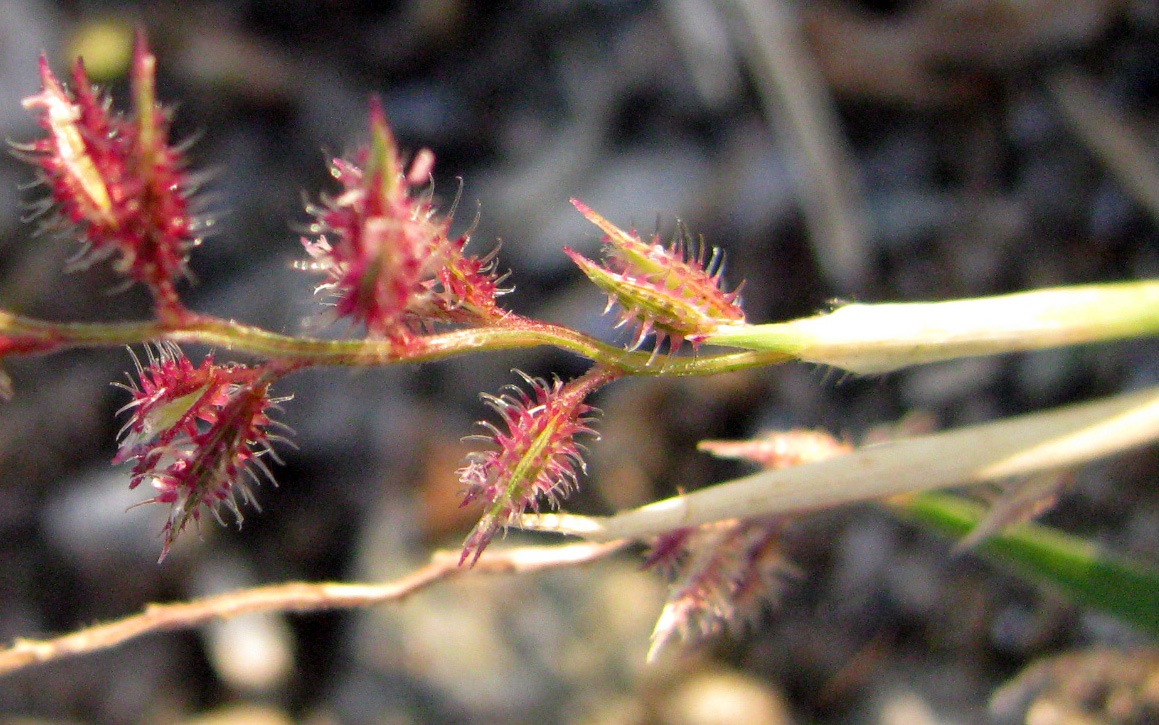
(956, 138)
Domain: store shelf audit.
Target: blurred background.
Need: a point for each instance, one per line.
(877, 150)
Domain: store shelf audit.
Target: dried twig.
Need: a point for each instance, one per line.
(295, 597)
(793, 91)
(1111, 138)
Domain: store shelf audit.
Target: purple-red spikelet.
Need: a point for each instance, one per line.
(116, 178)
(661, 289)
(723, 572)
(537, 458)
(466, 289)
(195, 433)
(385, 250)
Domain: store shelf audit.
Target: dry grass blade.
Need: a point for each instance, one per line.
(1016, 446)
(1020, 500)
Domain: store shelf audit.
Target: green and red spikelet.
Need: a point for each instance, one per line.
(116, 178)
(537, 457)
(660, 289)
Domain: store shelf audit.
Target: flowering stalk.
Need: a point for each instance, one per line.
(194, 431)
(537, 457)
(116, 178)
(393, 267)
(294, 351)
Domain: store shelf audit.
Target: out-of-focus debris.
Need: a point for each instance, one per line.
(1104, 686)
(242, 714)
(794, 96)
(865, 57)
(708, 51)
(106, 45)
(737, 698)
(938, 53)
(251, 652)
(1020, 500)
(1110, 136)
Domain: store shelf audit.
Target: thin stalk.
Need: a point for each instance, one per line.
(857, 337)
(40, 336)
(294, 597)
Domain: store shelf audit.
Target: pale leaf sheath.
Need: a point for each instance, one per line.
(877, 338)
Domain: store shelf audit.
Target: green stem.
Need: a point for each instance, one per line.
(1091, 575)
(877, 338)
(514, 332)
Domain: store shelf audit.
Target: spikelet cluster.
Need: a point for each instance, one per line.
(384, 248)
(723, 572)
(660, 289)
(196, 433)
(116, 178)
(536, 459)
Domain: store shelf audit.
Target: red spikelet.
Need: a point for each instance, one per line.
(385, 250)
(196, 433)
(536, 459)
(116, 178)
(723, 572)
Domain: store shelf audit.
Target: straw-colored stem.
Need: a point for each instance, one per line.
(294, 597)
